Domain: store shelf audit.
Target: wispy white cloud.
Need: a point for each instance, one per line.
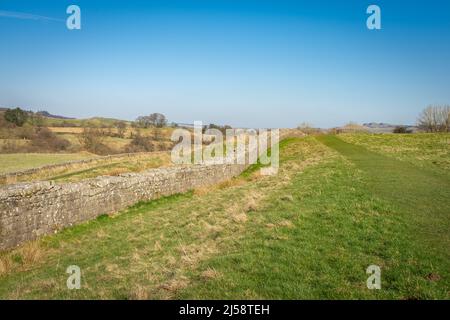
(26, 16)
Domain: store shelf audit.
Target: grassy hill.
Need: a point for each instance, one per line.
(68, 132)
(56, 121)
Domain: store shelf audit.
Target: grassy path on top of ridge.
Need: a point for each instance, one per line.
(423, 194)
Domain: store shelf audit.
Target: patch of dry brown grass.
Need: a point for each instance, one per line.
(74, 130)
(191, 254)
(210, 273)
(5, 265)
(239, 217)
(22, 258)
(31, 253)
(173, 286)
(283, 223)
(200, 191)
(253, 200)
(231, 183)
(138, 293)
(157, 246)
(286, 223)
(117, 171)
(210, 228)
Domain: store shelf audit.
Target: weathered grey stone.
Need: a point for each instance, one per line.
(30, 210)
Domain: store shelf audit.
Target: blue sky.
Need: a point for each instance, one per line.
(240, 62)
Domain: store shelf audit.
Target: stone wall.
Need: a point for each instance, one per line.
(32, 209)
(29, 210)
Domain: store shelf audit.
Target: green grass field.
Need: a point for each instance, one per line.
(102, 166)
(309, 232)
(431, 150)
(110, 168)
(22, 161)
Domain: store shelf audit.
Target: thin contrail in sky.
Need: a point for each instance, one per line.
(27, 16)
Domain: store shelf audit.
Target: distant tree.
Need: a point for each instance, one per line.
(6, 125)
(45, 140)
(160, 120)
(222, 129)
(435, 119)
(153, 120)
(143, 122)
(445, 116)
(16, 116)
(401, 129)
(91, 139)
(304, 125)
(306, 128)
(427, 119)
(121, 127)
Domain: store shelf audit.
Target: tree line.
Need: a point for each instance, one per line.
(435, 119)
(17, 124)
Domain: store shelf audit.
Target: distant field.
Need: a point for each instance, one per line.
(74, 172)
(79, 171)
(164, 132)
(21, 161)
(424, 149)
(71, 134)
(114, 143)
(162, 140)
(95, 121)
(66, 129)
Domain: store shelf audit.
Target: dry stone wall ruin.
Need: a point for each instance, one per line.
(33, 209)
